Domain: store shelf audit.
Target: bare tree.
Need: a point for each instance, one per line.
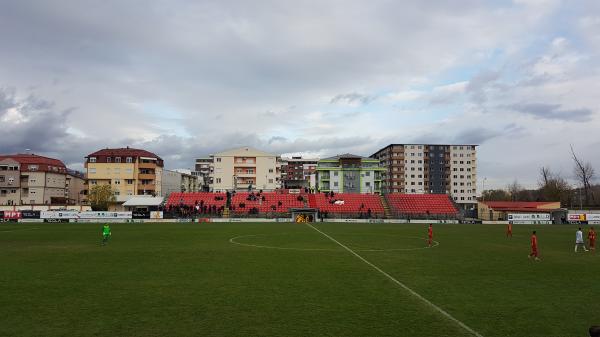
(514, 189)
(545, 175)
(584, 173)
(553, 187)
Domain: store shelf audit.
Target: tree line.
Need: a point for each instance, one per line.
(552, 186)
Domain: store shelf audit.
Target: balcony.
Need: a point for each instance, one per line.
(147, 165)
(146, 176)
(147, 187)
(246, 164)
(245, 175)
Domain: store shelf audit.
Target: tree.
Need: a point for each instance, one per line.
(553, 187)
(584, 173)
(100, 197)
(514, 189)
(495, 195)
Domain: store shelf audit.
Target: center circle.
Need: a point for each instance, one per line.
(355, 242)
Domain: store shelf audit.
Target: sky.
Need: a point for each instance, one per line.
(185, 79)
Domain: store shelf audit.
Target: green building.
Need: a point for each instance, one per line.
(348, 173)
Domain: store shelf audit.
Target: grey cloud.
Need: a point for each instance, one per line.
(552, 112)
(478, 85)
(218, 64)
(277, 139)
(476, 136)
(353, 98)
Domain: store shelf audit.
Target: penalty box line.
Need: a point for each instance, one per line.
(402, 285)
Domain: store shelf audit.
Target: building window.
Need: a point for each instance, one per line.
(117, 181)
(270, 181)
(117, 159)
(270, 170)
(129, 181)
(108, 159)
(335, 173)
(92, 159)
(129, 160)
(1, 179)
(93, 182)
(335, 184)
(33, 167)
(92, 170)
(218, 160)
(218, 180)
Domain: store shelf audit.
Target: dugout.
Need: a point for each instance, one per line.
(304, 214)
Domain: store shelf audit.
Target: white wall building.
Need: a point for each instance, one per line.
(245, 168)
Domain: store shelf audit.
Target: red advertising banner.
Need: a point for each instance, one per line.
(12, 215)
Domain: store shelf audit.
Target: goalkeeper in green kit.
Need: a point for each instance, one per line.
(105, 234)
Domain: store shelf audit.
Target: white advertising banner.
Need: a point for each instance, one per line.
(105, 215)
(592, 217)
(59, 215)
(529, 217)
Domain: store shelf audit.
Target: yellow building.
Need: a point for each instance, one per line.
(128, 171)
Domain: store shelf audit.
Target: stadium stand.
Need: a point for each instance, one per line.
(265, 202)
(421, 205)
(347, 203)
(338, 205)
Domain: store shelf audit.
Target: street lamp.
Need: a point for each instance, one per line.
(483, 190)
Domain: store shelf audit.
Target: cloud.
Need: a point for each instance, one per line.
(353, 98)
(306, 77)
(553, 112)
(448, 93)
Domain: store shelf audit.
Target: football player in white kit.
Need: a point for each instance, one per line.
(579, 240)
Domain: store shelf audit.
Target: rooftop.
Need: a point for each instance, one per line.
(124, 152)
(24, 158)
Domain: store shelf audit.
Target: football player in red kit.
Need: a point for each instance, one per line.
(430, 234)
(534, 247)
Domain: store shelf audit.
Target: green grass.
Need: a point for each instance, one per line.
(190, 280)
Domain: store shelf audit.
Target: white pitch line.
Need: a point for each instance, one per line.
(402, 285)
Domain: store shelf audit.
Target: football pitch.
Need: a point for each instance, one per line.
(287, 279)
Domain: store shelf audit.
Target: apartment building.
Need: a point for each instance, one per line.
(29, 179)
(298, 172)
(243, 169)
(202, 171)
(129, 171)
(179, 180)
(424, 168)
(75, 187)
(349, 173)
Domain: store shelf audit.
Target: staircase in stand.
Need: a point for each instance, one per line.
(386, 207)
(226, 212)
